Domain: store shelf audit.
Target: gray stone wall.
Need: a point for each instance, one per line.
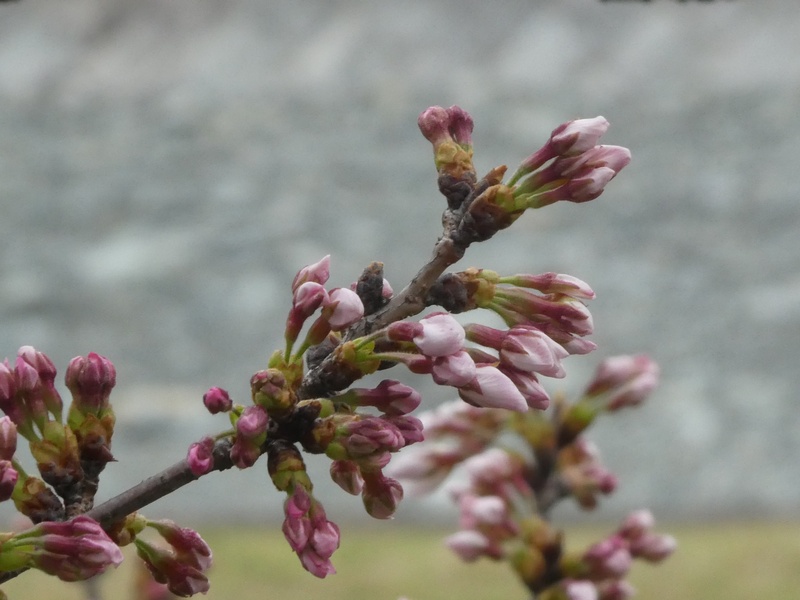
(166, 166)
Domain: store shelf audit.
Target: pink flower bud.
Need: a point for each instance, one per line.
(454, 370)
(71, 550)
(441, 335)
(637, 523)
(346, 475)
(609, 558)
(90, 379)
(529, 350)
(460, 125)
(8, 438)
(653, 547)
(580, 590)
(343, 308)
(624, 381)
(308, 297)
(319, 272)
(190, 549)
(492, 389)
(468, 544)
(8, 479)
(575, 137)
(434, 123)
(389, 396)
(381, 495)
(615, 589)
(253, 423)
(181, 578)
(201, 456)
(217, 400)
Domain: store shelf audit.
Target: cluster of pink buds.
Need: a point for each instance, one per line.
(600, 571)
(71, 550)
(69, 456)
(181, 566)
(508, 492)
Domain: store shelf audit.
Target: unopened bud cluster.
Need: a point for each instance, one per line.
(508, 494)
(303, 400)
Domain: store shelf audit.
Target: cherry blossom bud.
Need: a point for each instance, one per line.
(217, 400)
(469, 544)
(578, 136)
(653, 547)
(441, 335)
(319, 272)
(8, 438)
(251, 433)
(529, 350)
(201, 456)
(309, 532)
(90, 379)
(492, 389)
(8, 479)
(434, 123)
(460, 126)
(72, 550)
(580, 590)
(637, 523)
(343, 308)
(389, 396)
(455, 370)
(615, 589)
(182, 579)
(609, 558)
(552, 283)
(623, 381)
(47, 374)
(381, 495)
(189, 548)
(346, 474)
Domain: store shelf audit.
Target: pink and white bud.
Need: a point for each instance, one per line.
(201, 456)
(72, 550)
(434, 123)
(181, 578)
(615, 589)
(455, 370)
(409, 427)
(441, 335)
(609, 558)
(580, 590)
(530, 388)
(8, 438)
(623, 381)
(469, 544)
(189, 548)
(319, 272)
(492, 389)
(90, 379)
(553, 283)
(253, 423)
(8, 479)
(529, 350)
(615, 158)
(578, 136)
(217, 400)
(369, 435)
(637, 524)
(307, 298)
(380, 495)
(346, 474)
(588, 185)
(460, 125)
(653, 547)
(343, 308)
(387, 292)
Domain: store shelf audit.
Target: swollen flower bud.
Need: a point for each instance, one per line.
(90, 379)
(201, 456)
(217, 400)
(319, 272)
(623, 381)
(342, 309)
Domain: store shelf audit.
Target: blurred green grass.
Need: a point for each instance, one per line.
(717, 561)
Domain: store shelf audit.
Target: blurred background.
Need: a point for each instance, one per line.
(167, 166)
